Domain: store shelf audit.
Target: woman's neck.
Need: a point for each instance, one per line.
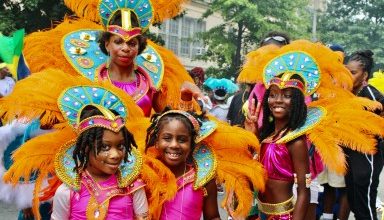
(179, 170)
(122, 74)
(280, 125)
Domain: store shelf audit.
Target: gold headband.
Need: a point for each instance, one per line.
(107, 120)
(191, 118)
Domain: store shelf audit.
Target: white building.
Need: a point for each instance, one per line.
(179, 34)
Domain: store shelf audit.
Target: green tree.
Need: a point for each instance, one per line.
(356, 25)
(245, 23)
(32, 15)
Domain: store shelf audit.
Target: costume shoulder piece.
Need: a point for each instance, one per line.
(206, 164)
(82, 51)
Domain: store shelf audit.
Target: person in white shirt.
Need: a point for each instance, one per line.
(6, 81)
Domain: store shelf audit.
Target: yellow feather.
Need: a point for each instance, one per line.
(40, 57)
(162, 9)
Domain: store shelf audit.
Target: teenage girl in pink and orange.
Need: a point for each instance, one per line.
(173, 133)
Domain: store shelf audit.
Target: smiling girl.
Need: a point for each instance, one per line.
(100, 156)
(290, 73)
(286, 163)
(173, 134)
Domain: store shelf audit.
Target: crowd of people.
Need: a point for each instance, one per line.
(114, 127)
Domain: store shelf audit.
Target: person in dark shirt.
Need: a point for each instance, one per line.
(362, 179)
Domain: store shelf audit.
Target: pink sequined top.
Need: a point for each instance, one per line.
(188, 203)
(277, 161)
(124, 203)
(141, 90)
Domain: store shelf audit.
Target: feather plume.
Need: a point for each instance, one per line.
(236, 167)
(37, 154)
(333, 72)
(340, 128)
(40, 57)
(163, 9)
(86, 9)
(160, 184)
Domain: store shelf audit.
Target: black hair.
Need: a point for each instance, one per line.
(298, 113)
(91, 140)
(157, 124)
(272, 34)
(365, 59)
(116, 20)
(220, 92)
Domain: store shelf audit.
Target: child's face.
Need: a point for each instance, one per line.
(108, 159)
(174, 143)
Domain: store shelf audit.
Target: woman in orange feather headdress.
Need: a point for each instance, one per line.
(290, 73)
(115, 51)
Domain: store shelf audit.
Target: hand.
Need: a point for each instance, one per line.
(252, 117)
(189, 90)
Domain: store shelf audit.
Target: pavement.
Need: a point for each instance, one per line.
(9, 212)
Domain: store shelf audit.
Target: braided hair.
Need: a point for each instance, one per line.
(158, 123)
(297, 117)
(91, 140)
(364, 57)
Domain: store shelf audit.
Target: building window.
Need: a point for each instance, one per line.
(185, 47)
(179, 36)
(174, 44)
(174, 27)
(186, 27)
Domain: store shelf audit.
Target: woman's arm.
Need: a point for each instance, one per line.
(300, 158)
(210, 209)
(140, 204)
(61, 203)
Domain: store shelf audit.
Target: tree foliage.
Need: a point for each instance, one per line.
(32, 15)
(356, 25)
(245, 23)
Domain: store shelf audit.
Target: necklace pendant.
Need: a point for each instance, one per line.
(97, 213)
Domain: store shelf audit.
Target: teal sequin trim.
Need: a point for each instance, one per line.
(314, 117)
(73, 100)
(206, 164)
(298, 62)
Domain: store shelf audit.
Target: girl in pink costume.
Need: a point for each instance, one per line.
(173, 133)
(285, 163)
(97, 187)
(289, 74)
